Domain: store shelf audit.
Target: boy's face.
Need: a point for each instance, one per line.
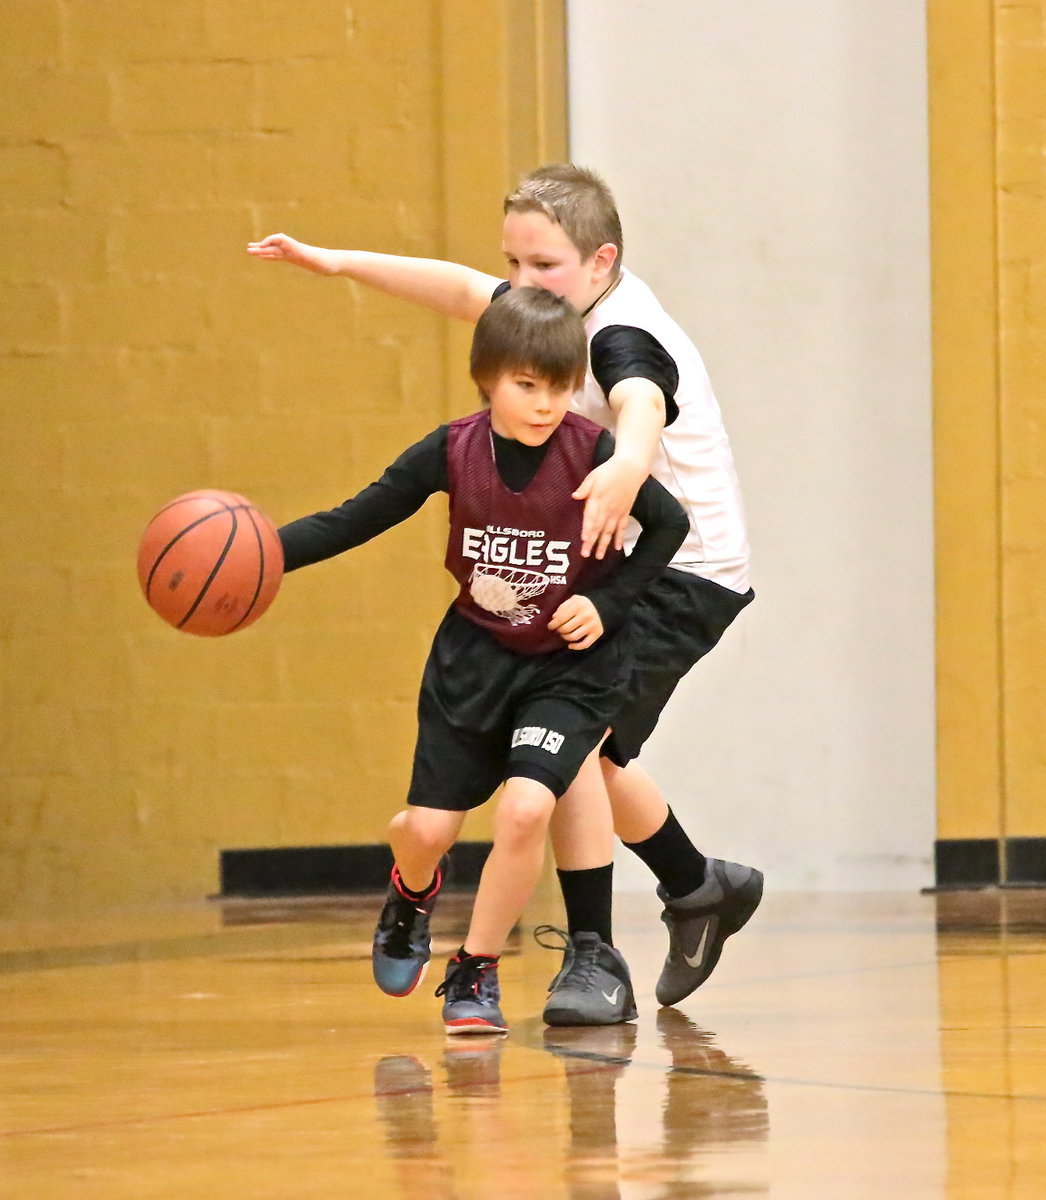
(539, 254)
(525, 408)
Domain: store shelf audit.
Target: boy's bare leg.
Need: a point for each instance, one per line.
(638, 806)
(513, 866)
(582, 824)
(470, 990)
(419, 838)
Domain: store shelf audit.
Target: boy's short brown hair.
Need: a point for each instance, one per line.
(534, 330)
(576, 199)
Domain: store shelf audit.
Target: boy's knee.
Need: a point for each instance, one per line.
(425, 832)
(524, 816)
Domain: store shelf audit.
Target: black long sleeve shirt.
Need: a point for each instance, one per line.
(421, 470)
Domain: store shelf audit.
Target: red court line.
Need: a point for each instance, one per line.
(351, 1097)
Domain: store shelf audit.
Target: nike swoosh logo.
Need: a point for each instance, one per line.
(613, 995)
(694, 960)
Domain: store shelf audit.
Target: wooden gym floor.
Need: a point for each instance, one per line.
(848, 1046)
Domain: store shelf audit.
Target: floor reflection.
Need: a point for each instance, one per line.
(712, 1098)
(594, 1059)
(992, 910)
(706, 1101)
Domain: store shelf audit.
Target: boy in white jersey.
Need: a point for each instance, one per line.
(647, 383)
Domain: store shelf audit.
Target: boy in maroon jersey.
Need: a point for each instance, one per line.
(527, 665)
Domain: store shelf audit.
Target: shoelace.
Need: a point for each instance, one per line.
(465, 980)
(400, 926)
(545, 930)
(579, 965)
(399, 922)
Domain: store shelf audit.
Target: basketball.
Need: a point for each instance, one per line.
(210, 563)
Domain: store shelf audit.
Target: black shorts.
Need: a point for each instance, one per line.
(486, 713)
(676, 621)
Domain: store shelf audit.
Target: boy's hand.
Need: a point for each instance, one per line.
(609, 492)
(280, 248)
(577, 622)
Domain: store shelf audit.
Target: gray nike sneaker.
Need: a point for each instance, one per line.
(592, 987)
(699, 924)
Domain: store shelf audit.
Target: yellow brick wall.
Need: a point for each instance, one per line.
(143, 354)
(1021, 190)
(988, 169)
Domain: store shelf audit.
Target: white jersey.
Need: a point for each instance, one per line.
(694, 461)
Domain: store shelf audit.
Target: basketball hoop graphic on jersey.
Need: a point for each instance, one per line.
(502, 590)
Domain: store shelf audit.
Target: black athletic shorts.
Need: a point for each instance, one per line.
(675, 622)
(486, 713)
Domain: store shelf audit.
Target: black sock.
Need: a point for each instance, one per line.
(588, 899)
(462, 954)
(673, 857)
(410, 893)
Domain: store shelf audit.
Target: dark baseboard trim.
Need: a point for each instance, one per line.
(332, 870)
(966, 862)
(1026, 860)
(979, 862)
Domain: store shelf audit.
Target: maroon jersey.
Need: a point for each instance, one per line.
(517, 555)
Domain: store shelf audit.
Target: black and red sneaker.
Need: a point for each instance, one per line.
(400, 953)
(472, 995)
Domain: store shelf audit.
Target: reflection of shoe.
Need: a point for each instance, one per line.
(710, 1097)
(593, 986)
(403, 1090)
(473, 1064)
(471, 996)
(398, 1074)
(594, 1056)
(699, 924)
(400, 952)
(689, 1044)
(609, 1044)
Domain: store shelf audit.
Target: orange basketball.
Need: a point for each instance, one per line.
(210, 563)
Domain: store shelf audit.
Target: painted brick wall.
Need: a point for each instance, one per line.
(988, 156)
(1021, 157)
(142, 354)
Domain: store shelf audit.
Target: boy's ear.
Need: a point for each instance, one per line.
(603, 260)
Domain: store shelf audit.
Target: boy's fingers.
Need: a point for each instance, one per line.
(561, 616)
(605, 538)
(592, 523)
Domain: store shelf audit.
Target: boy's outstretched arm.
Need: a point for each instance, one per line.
(448, 288)
(610, 490)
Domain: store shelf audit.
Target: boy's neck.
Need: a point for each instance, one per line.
(602, 295)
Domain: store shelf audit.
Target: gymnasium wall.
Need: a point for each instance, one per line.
(988, 150)
(143, 354)
(772, 173)
(831, 195)
(774, 181)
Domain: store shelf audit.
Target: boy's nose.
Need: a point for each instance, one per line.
(529, 278)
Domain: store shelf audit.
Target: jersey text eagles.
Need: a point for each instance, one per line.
(517, 548)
